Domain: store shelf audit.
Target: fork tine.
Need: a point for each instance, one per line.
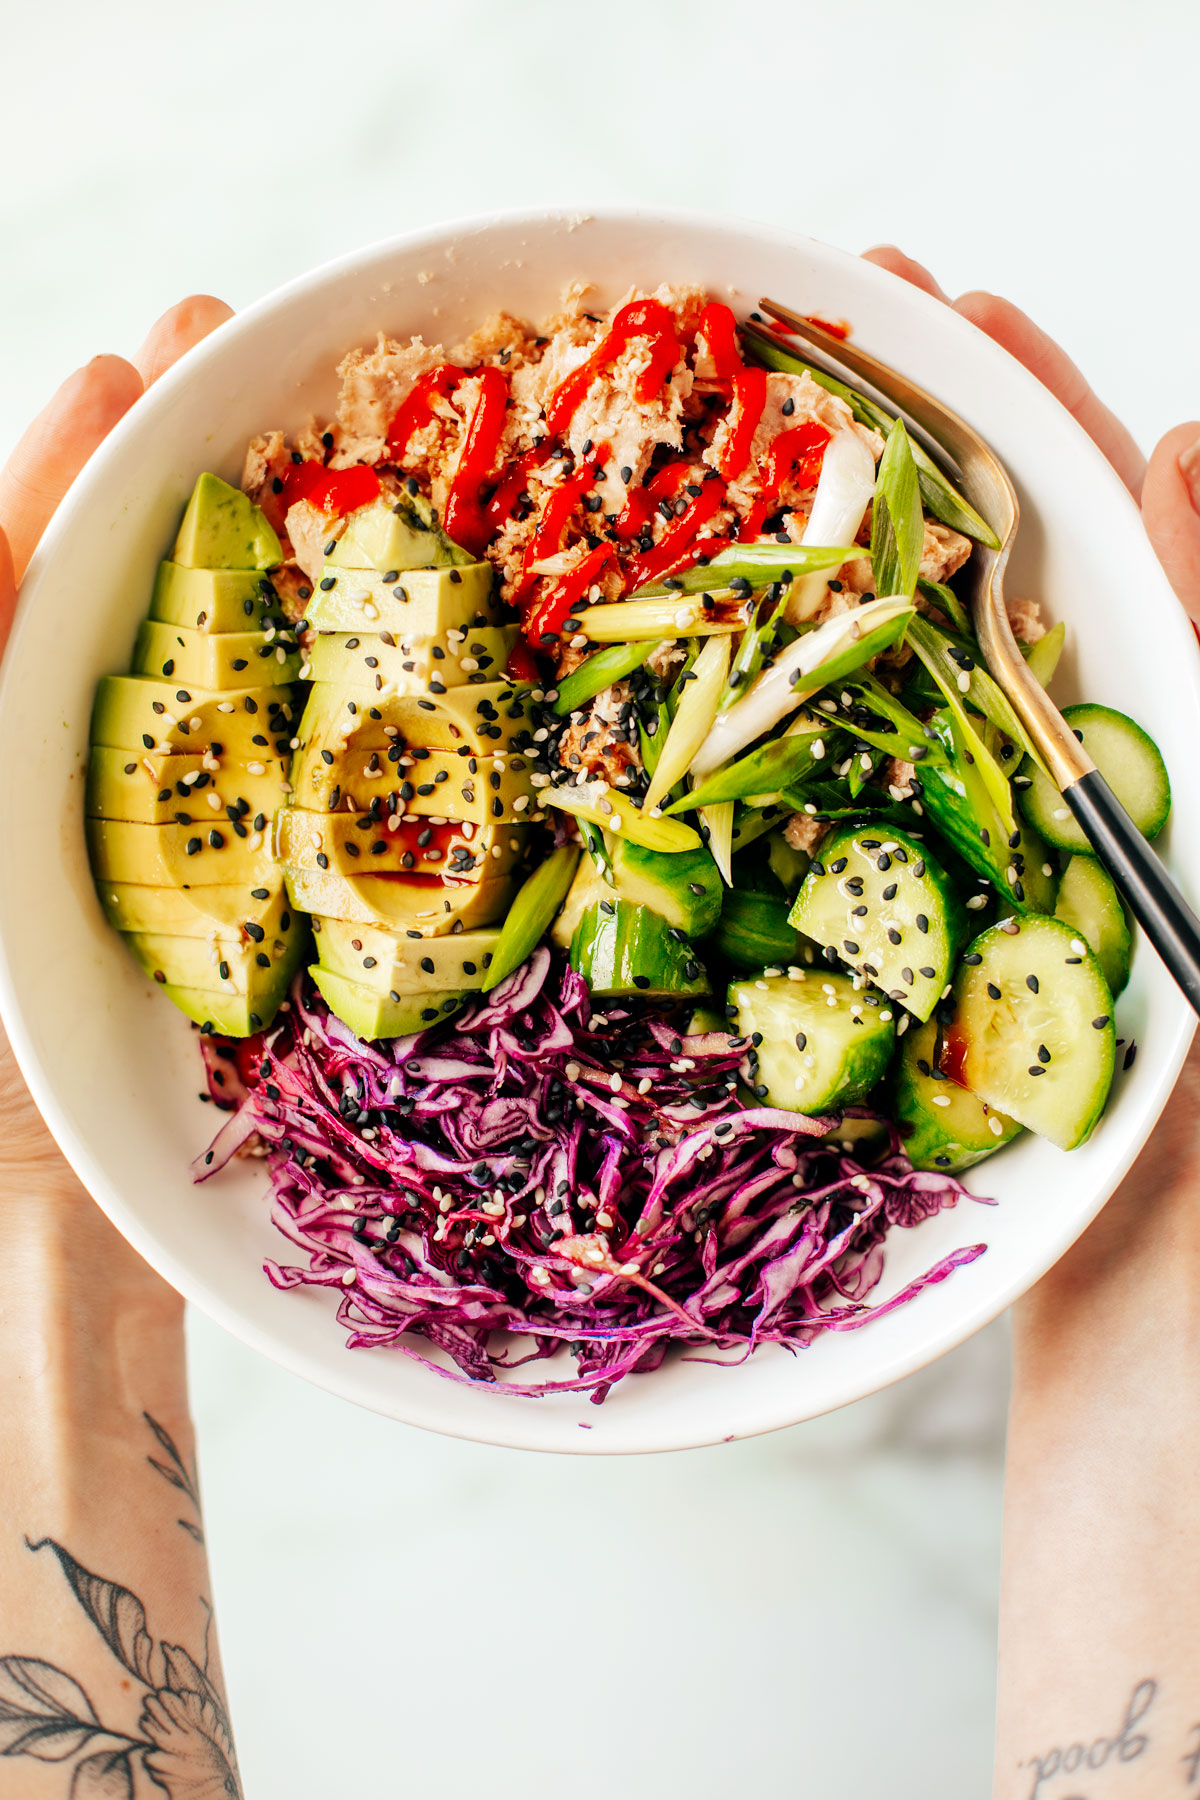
(859, 370)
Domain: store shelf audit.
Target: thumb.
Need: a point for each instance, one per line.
(1171, 509)
(8, 591)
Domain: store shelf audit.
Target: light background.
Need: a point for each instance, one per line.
(811, 1614)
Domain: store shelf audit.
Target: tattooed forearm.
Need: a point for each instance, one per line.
(1077, 1770)
(184, 1742)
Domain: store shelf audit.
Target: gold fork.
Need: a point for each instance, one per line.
(977, 471)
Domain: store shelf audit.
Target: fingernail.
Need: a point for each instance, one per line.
(1189, 468)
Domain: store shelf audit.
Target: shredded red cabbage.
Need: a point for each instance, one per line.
(579, 1173)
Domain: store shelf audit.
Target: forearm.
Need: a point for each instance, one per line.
(1100, 1605)
(103, 1572)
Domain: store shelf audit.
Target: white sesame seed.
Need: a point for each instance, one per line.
(349, 1278)
(628, 1268)
(540, 1275)
(976, 902)
(605, 1221)
(995, 1127)
(886, 1015)
(1078, 946)
(941, 1099)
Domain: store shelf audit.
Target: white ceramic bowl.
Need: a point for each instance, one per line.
(116, 1070)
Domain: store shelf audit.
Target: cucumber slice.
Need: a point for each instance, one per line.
(754, 932)
(943, 1126)
(685, 889)
(825, 1043)
(1089, 903)
(620, 948)
(1130, 762)
(883, 902)
(1032, 1030)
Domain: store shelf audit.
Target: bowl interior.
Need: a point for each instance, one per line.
(117, 1072)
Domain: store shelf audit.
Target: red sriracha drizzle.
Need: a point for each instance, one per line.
(748, 386)
(676, 549)
(547, 616)
(639, 319)
(332, 491)
(466, 520)
(799, 453)
(561, 503)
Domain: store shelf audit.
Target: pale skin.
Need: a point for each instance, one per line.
(1099, 1685)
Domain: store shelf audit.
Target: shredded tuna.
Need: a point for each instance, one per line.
(1025, 617)
(803, 833)
(374, 383)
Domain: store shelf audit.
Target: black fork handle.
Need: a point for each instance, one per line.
(1157, 904)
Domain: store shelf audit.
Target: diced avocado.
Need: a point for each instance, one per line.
(586, 890)
(201, 912)
(413, 664)
(425, 603)
(134, 712)
(356, 843)
(434, 783)
(753, 931)
(213, 599)
(233, 965)
(1090, 904)
(223, 529)
(371, 1013)
(400, 532)
(390, 961)
(943, 1126)
(622, 948)
(210, 855)
(824, 1043)
(685, 888)
(495, 718)
(418, 903)
(215, 660)
(156, 790)
(884, 904)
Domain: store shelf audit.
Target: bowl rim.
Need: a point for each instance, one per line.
(146, 415)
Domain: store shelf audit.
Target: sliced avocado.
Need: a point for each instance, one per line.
(420, 903)
(134, 712)
(400, 532)
(684, 888)
(216, 660)
(223, 529)
(622, 948)
(496, 718)
(434, 783)
(232, 1015)
(201, 912)
(227, 965)
(213, 599)
(425, 603)
(179, 855)
(156, 790)
(372, 1014)
(356, 843)
(390, 961)
(414, 663)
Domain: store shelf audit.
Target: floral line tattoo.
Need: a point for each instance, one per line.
(186, 1746)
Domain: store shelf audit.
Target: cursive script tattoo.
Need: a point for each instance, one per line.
(186, 1746)
(1191, 1758)
(1125, 1747)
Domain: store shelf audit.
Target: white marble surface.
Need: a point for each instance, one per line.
(813, 1613)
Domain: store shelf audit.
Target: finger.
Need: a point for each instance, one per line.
(8, 591)
(56, 446)
(887, 256)
(1171, 509)
(1016, 333)
(177, 331)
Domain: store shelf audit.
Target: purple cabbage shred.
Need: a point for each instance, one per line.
(561, 1171)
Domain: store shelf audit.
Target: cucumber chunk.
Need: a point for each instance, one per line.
(621, 948)
(1089, 903)
(754, 932)
(1130, 762)
(879, 899)
(824, 1043)
(943, 1126)
(1032, 1030)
